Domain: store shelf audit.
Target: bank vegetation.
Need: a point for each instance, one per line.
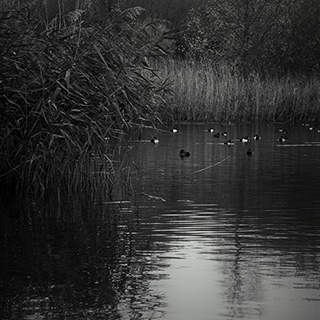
(76, 76)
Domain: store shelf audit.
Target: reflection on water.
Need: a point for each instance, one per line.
(217, 235)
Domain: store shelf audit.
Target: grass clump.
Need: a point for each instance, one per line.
(206, 92)
(68, 88)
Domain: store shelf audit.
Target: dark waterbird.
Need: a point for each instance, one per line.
(249, 152)
(229, 143)
(244, 140)
(184, 154)
(283, 139)
(217, 135)
(283, 131)
(256, 137)
(155, 140)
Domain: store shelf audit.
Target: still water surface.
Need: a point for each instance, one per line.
(217, 235)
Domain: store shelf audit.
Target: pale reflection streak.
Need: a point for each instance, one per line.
(204, 260)
(254, 234)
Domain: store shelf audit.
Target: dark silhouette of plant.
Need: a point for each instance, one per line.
(69, 87)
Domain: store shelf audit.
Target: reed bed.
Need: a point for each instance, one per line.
(69, 92)
(206, 92)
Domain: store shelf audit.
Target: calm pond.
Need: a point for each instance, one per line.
(217, 235)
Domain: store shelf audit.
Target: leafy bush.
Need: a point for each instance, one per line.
(264, 35)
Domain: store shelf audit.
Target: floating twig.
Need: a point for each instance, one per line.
(212, 165)
(153, 197)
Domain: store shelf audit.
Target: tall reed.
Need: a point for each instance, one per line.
(69, 90)
(206, 92)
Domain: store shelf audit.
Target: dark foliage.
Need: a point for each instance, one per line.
(69, 87)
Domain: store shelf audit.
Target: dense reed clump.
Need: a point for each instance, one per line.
(68, 89)
(206, 92)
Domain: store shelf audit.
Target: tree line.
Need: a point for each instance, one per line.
(272, 36)
(262, 35)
